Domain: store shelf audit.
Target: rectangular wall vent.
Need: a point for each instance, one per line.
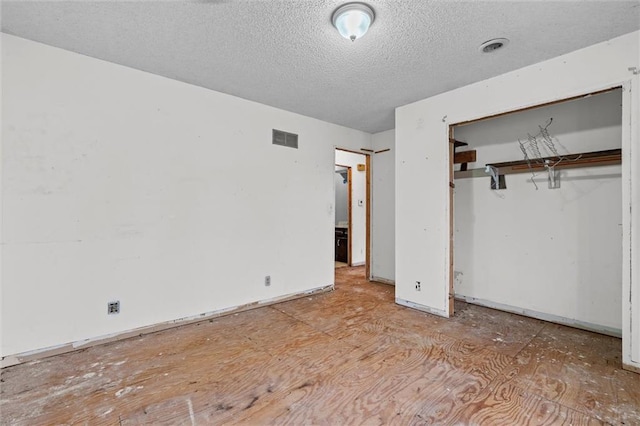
(285, 139)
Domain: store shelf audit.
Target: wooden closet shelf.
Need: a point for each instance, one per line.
(570, 161)
(585, 159)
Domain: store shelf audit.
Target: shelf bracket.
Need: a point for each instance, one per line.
(497, 180)
(554, 176)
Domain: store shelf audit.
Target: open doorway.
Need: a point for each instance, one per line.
(352, 209)
(537, 212)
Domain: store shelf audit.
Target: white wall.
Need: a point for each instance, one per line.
(358, 211)
(555, 252)
(1, 196)
(383, 207)
(422, 166)
(118, 184)
(342, 197)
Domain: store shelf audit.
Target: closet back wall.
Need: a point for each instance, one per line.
(552, 251)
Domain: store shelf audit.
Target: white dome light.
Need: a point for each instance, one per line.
(352, 20)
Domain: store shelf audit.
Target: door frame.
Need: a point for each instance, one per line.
(630, 358)
(367, 160)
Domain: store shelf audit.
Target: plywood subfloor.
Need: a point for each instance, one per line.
(347, 357)
(340, 264)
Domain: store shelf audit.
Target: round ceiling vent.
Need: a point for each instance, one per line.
(493, 45)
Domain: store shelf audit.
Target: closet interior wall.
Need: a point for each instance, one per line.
(551, 253)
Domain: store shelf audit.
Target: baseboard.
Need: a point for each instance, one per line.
(630, 367)
(602, 329)
(10, 360)
(382, 280)
(422, 308)
(358, 264)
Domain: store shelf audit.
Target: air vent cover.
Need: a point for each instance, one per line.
(493, 45)
(285, 139)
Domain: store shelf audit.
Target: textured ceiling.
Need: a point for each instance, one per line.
(287, 54)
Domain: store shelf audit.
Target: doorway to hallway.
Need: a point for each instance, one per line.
(351, 179)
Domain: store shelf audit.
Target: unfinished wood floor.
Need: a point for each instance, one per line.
(347, 357)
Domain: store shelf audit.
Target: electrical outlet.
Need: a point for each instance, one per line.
(113, 307)
(267, 281)
(417, 285)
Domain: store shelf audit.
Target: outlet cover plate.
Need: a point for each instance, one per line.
(113, 307)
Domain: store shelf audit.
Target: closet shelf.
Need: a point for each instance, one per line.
(571, 161)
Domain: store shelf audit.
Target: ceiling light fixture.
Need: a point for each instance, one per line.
(352, 20)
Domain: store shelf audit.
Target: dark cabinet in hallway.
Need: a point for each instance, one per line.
(342, 245)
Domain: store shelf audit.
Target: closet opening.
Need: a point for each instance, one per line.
(536, 209)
